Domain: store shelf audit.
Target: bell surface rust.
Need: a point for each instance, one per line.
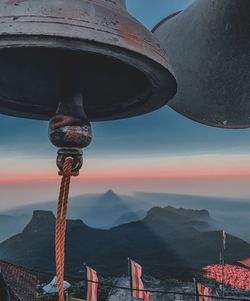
(118, 65)
(208, 46)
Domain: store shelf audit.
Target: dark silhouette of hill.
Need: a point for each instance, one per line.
(231, 214)
(166, 241)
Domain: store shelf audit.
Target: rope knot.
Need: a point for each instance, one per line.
(67, 167)
(69, 162)
(67, 170)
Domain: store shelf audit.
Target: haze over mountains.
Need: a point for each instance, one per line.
(98, 211)
(11, 225)
(168, 241)
(109, 209)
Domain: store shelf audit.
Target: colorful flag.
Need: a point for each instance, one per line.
(203, 293)
(137, 287)
(92, 284)
(147, 296)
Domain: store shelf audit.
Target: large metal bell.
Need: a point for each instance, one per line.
(119, 67)
(208, 46)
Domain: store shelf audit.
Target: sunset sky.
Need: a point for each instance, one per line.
(161, 151)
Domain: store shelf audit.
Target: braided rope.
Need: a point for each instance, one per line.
(61, 224)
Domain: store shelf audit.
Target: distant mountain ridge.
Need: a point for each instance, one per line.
(170, 212)
(198, 219)
(98, 210)
(229, 214)
(166, 241)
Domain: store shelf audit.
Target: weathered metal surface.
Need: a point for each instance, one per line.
(123, 70)
(70, 129)
(76, 154)
(208, 46)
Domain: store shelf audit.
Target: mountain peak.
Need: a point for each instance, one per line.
(190, 213)
(40, 220)
(43, 214)
(105, 209)
(109, 197)
(110, 192)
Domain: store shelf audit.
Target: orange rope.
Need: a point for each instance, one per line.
(61, 224)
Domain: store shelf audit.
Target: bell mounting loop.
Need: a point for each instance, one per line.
(70, 129)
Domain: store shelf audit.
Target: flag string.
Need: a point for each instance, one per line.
(235, 297)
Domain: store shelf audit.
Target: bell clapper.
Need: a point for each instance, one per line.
(70, 131)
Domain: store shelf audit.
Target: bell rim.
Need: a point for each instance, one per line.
(156, 73)
(208, 123)
(183, 113)
(165, 19)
